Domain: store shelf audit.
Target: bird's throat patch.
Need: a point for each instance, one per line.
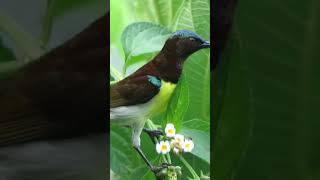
(161, 100)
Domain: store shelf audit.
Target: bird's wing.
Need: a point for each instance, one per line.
(19, 121)
(60, 95)
(134, 90)
(37, 103)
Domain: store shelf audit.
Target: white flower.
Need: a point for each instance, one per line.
(170, 130)
(163, 147)
(177, 141)
(188, 145)
(179, 138)
(176, 150)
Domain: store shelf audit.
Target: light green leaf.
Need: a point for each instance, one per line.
(123, 158)
(201, 17)
(160, 11)
(197, 68)
(115, 74)
(201, 143)
(178, 104)
(194, 15)
(183, 19)
(197, 124)
(119, 150)
(142, 38)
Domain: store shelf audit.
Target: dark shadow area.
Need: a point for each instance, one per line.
(53, 93)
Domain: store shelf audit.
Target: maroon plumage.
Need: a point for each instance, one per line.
(62, 94)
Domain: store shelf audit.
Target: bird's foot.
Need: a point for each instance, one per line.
(158, 170)
(153, 133)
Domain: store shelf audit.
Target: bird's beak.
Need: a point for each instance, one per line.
(205, 44)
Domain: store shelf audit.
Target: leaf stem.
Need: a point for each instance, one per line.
(191, 170)
(169, 158)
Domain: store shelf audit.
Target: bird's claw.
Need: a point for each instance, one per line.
(157, 169)
(153, 133)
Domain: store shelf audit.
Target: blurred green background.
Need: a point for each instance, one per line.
(192, 114)
(30, 28)
(267, 90)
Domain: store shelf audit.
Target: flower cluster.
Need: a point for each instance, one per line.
(177, 142)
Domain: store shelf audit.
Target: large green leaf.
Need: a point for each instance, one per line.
(123, 158)
(197, 69)
(142, 38)
(201, 17)
(58, 8)
(178, 104)
(201, 140)
(194, 15)
(161, 12)
(268, 124)
(197, 124)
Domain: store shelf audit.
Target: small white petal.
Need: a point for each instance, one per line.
(188, 145)
(158, 148)
(168, 146)
(176, 150)
(170, 130)
(169, 125)
(179, 138)
(163, 147)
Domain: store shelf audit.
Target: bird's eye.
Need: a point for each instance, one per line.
(192, 39)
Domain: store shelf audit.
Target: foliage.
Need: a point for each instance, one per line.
(22, 46)
(138, 31)
(267, 93)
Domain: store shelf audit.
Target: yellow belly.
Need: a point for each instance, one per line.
(161, 100)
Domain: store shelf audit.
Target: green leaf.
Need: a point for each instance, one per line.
(160, 11)
(201, 143)
(115, 74)
(124, 160)
(183, 19)
(235, 124)
(120, 150)
(194, 15)
(5, 53)
(58, 8)
(268, 126)
(142, 38)
(121, 15)
(197, 124)
(201, 17)
(197, 69)
(178, 104)
(25, 44)
(7, 68)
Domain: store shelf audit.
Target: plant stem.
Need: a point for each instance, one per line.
(152, 126)
(169, 158)
(191, 170)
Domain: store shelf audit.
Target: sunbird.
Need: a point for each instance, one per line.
(146, 93)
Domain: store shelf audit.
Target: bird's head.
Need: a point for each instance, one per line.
(185, 43)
